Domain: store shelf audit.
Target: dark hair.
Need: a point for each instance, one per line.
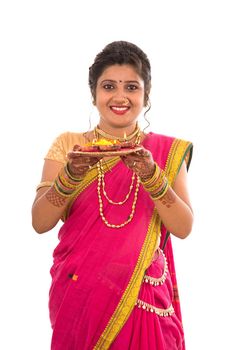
(121, 52)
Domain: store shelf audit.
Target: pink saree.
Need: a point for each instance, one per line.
(115, 288)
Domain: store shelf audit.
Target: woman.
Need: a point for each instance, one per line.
(113, 276)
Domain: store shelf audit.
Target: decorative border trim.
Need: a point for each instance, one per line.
(151, 308)
(180, 150)
(160, 280)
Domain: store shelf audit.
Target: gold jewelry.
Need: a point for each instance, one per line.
(99, 131)
(153, 179)
(104, 191)
(157, 185)
(106, 222)
(126, 101)
(73, 178)
(44, 184)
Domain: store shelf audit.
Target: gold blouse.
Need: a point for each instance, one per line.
(63, 144)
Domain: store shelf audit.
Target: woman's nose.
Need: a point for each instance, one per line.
(120, 96)
(121, 100)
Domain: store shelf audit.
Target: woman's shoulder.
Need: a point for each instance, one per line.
(63, 143)
(164, 140)
(167, 148)
(70, 138)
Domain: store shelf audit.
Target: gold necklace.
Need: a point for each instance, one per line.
(106, 222)
(104, 191)
(99, 131)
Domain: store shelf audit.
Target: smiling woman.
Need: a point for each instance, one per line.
(115, 99)
(113, 276)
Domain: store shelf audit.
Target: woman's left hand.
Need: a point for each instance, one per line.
(141, 162)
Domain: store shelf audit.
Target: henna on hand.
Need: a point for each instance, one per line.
(54, 198)
(79, 165)
(141, 162)
(169, 198)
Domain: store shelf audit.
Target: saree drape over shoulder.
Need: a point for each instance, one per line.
(115, 288)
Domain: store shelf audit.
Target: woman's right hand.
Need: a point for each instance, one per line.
(79, 164)
(45, 214)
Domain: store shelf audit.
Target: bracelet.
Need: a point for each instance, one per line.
(146, 177)
(157, 185)
(159, 194)
(153, 178)
(65, 184)
(71, 177)
(44, 184)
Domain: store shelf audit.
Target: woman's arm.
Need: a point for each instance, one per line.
(51, 202)
(174, 207)
(46, 213)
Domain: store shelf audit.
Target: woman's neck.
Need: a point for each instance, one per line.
(117, 132)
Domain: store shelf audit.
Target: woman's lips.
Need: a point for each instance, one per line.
(120, 110)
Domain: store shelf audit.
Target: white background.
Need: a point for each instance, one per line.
(46, 49)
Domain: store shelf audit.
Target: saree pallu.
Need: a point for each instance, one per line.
(100, 297)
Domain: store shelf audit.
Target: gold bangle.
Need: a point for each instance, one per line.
(44, 184)
(59, 190)
(66, 183)
(156, 185)
(160, 194)
(73, 177)
(153, 178)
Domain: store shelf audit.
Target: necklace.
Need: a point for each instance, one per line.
(101, 180)
(99, 131)
(104, 191)
(100, 184)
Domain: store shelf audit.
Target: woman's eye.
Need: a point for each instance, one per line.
(132, 87)
(108, 87)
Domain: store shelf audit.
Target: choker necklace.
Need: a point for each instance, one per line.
(99, 131)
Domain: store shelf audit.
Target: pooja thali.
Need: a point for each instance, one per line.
(108, 153)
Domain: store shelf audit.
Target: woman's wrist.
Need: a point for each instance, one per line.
(148, 173)
(156, 185)
(74, 176)
(64, 186)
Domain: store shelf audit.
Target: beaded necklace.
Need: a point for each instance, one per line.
(104, 191)
(130, 217)
(101, 185)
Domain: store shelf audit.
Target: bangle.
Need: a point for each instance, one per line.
(159, 194)
(153, 178)
(72, 177)
(64, 184)
(44, 184)
(157, 185)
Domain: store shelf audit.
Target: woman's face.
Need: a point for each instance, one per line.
(119, 97)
